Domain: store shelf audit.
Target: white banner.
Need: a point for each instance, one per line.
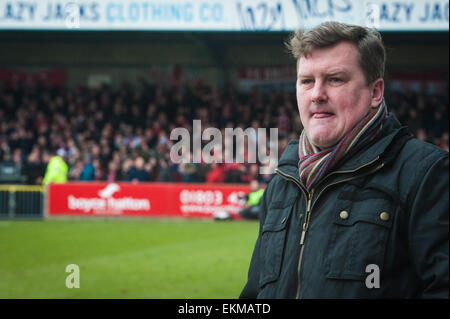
(222, 15)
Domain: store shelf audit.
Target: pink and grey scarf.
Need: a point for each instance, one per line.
(315, 163)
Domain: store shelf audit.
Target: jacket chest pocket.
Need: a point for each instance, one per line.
(273, 242)
(358, 238)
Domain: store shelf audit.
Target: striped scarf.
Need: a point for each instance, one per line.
(315, 163)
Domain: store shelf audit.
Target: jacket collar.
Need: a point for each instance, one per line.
(392, 129)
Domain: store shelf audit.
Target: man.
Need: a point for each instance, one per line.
(251, 208)
(138, 173)
(357, 208)
(57, 169)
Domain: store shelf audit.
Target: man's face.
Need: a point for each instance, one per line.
(140, 163)
(332, 94)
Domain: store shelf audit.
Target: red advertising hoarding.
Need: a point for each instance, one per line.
(149, 199)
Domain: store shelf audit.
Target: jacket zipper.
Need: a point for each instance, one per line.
(302, 240)
(310, 205)
(308, 196)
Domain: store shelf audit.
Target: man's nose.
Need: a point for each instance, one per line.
(319, 94)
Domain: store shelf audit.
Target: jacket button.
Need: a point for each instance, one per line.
(384, 216)
(343, 214)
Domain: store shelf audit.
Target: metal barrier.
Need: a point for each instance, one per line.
(21, 201)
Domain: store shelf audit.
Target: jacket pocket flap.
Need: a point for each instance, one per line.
(373, 215)
(274, 227)
(276, 219)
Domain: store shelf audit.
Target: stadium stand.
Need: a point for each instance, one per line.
(107, 132)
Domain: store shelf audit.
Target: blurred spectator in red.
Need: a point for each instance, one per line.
(216, 174)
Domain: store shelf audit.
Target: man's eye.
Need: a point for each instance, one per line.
(306, 81)
(335, 80)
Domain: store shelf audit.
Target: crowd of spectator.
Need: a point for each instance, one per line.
(124, 134)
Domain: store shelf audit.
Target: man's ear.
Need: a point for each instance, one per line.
(377, 92)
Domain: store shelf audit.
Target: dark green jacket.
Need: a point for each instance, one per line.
(388, 206)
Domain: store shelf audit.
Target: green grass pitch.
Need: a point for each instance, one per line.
(125, 258)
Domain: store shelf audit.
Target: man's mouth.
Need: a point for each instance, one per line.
(321, 115)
